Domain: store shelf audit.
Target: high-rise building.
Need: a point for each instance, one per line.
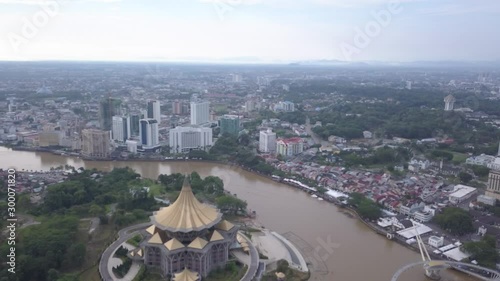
(184, 139)
(230, 124)
(107, 109)
(200, 112)
(148, 133)
(290, 147)
(154, 110)
(178, 107)
(267, 141)
(134, 123)
(498, 153)
(408, 85)
(236, 78)
(494, 184)
(95, 143)
(286, 106)
(449, 103)
(249, 105)
(121, 128)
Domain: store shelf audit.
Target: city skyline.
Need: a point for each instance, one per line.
(210, 30)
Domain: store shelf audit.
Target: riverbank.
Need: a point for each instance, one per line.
(293, 184)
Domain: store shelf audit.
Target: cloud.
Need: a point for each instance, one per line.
(45, 2)
(457, 9)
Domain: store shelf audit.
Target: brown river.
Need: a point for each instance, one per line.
(339, 247)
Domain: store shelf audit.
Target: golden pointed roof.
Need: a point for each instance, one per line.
(173, 244)
(224, 225)
(156, 239)
(198, 243)
(216, 236)
(139, 253)
(151, 230)
(186, 275)
(186, 213)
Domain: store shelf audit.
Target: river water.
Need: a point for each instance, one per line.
(339, 247)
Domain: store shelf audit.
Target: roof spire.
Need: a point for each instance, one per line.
(186, 185)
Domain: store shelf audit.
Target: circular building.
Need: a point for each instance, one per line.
(187, 238)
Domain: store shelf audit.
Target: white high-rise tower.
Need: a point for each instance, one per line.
(449, 103)
(154, 110)
(200, 112)
(148, 133)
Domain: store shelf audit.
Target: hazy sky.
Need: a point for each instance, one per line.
(265, 29)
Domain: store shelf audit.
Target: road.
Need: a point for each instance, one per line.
(317, 139)
(123, 235)
(126, 233)
(254, 261)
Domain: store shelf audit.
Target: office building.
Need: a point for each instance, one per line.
(449, 103)
(134, 123)
(249, 105)
(179, 108)
(230, 124)
(290, 147)
(154, 110)
(285, 106)
(267, 141)
(494, 184)
(107, 109)
(95, 143)
(184, 139)
(121, 128)
(200, 112)
(236, 78)
(148, 133)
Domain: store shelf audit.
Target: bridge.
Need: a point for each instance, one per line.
(433, 267)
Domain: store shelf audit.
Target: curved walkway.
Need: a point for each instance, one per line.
(254, 261)
(296, 256)
(123, 235)
(496, 274)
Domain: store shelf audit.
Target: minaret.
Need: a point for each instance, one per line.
(498, 154)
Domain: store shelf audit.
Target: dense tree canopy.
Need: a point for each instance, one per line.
(366, 208)
(484, 251)
(455, 220)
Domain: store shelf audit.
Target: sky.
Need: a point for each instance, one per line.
(250, 30)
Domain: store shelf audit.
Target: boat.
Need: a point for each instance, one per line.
(320, 199)
(314, 196)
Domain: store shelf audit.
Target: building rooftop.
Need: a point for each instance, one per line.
(186, 214)
(461, 190)
(186, 275)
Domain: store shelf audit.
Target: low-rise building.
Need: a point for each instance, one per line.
(411, 207)
(436, 241)
(460, 193)
(487, 200)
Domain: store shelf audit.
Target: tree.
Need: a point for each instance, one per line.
(480, 171)
(96, 210)
(465, 177)
(484, 251)
(75, 255)
(455, 220)
(230, 204)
